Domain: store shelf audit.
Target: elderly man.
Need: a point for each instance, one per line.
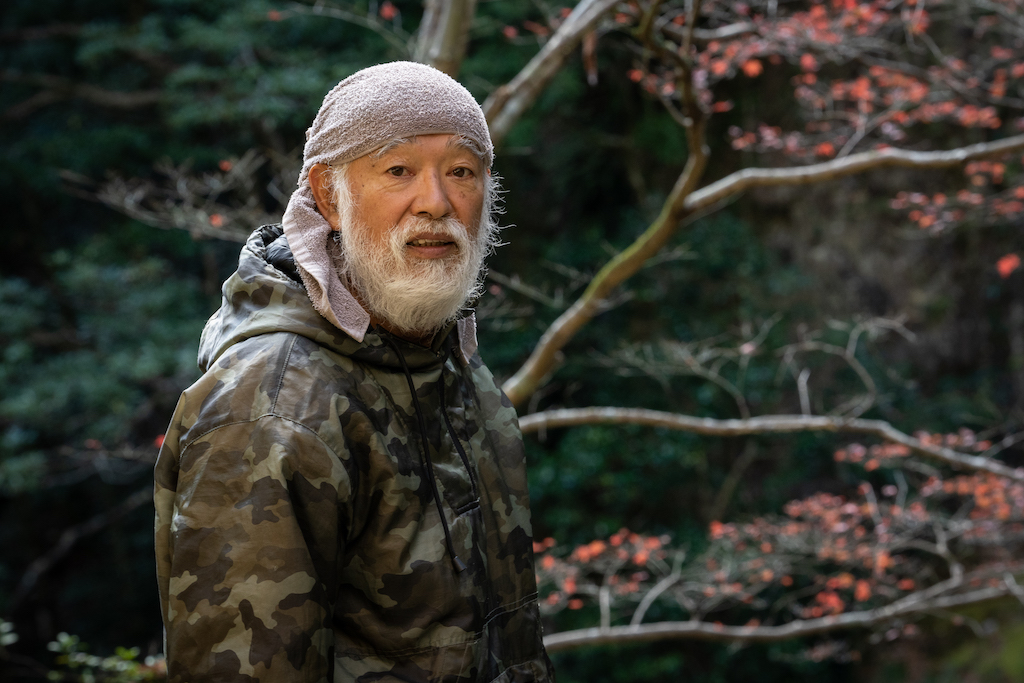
(342, 495)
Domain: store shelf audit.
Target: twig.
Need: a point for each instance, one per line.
(801, 385)
(732, 480)
(657, 590)
(604, 597)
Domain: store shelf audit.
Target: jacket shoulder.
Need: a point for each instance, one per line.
(279, 374)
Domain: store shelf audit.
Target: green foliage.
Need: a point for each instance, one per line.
(80, 359)
(76, 664)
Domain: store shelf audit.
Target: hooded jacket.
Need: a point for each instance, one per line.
(317, 498)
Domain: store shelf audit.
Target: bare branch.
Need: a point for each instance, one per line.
(702, 630)
(769, 424)
(222, 205)
(733, 480)
(627, 262)
(506, 104)
(684, 199)
(657, 590)
(838, 168)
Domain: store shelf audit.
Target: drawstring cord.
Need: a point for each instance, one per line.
(451, 430)
(459, 565)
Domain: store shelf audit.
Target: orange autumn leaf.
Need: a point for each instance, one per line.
(1007, 264)
(825, 149)
(388, 11)
(752, 68)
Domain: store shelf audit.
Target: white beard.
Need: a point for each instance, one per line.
(412, 295)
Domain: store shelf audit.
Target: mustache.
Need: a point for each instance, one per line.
(448, 228)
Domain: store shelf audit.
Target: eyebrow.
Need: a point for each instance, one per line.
(455, 142)
(397, 142)
(467, 144)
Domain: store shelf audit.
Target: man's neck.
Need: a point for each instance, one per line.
(423, 340)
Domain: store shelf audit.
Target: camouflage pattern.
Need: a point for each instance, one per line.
(297, 535)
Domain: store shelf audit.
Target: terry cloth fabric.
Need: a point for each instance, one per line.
(359, 115)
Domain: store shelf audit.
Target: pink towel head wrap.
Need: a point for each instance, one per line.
(361, 114)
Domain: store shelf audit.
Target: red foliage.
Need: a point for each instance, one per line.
(388, 11)
(828, 554)
(1007, 264)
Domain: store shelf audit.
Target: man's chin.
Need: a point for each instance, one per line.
(414, 306)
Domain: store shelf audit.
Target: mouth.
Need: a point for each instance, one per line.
(432, 246)
(429, 243)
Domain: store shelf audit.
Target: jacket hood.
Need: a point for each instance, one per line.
(261, 297)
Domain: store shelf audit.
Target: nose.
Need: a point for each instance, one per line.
(431, 200)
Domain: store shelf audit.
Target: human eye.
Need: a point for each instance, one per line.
(398, 171)
(462, 172)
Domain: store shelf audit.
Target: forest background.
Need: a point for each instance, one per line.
(681, 534)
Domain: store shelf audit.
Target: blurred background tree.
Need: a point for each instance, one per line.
(141, 139)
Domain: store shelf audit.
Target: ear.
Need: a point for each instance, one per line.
(323, 193)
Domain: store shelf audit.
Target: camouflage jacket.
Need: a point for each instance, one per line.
(298, 536)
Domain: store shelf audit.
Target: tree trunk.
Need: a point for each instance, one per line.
(444, 34)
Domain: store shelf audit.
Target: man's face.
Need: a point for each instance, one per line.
(411, 232)
(433, 177)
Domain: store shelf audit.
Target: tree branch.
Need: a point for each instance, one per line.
(838, 168)
(627, 262)
(706, 35)
(506, 104)
(702, 630)
(770, 424)
(684, 200)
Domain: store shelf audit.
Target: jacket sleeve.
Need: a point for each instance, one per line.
(247, 544)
